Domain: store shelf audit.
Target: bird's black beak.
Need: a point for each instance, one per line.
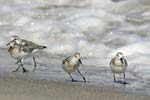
(80, 61)
(121, 60)
(7, 44)
(10, 48)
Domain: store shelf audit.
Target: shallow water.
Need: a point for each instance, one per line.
(95, 28)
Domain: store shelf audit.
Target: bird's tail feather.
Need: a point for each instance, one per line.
(42, 47)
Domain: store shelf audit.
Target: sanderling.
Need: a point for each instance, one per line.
(118, 65)
(21, 49)
(71, 64)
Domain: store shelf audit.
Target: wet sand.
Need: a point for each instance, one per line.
(12, 88)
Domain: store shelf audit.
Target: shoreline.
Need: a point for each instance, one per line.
(13, 88)
(99, 84)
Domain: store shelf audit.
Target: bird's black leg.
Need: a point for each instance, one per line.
(24, 70)
(71, 77)
(19, 61)
(114, 78)
(124, 79)
(82, 76)
(34, 63)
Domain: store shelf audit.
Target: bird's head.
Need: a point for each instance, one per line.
(119, 55)
(77, 55)
(15, 40)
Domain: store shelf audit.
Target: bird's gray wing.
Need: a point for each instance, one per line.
(125, 62)
(29, 44)
(111, 62)
(67, 59)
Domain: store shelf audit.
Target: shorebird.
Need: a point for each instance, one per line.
(21, 49)
(71, 64)
(118, 65)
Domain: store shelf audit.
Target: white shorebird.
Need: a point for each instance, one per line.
(21, 49)
(118, 65)
(71, 64)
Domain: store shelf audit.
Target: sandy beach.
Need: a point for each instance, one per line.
(12, 88)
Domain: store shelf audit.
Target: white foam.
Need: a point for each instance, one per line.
(22, 21)
(135, 48)
(86, 23)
